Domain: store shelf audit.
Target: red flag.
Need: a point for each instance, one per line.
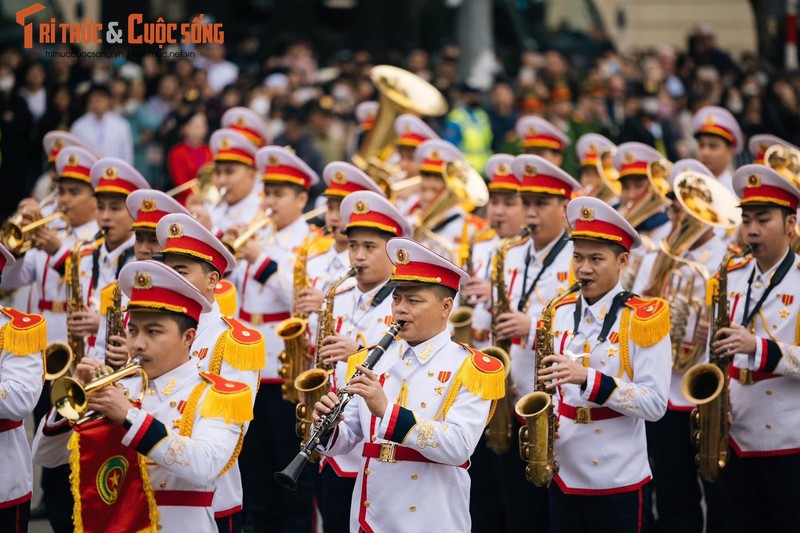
(109, 481)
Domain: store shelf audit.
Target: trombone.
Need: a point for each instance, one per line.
(71, 399)
(17, 237)
(261, 222)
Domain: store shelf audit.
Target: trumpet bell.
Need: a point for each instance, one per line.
(656, 198)
(58, 360)
(707, 200)
(17, 238)
(69, 398)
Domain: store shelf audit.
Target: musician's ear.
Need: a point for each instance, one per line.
(622, 260)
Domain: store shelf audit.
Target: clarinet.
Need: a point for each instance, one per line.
(287, 478)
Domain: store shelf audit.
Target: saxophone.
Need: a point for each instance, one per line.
(294, 329)
(114, 323)
(498, 432)
(537, 437)
(461, 318)
(75, 295)
(314, 383)
(706, 385)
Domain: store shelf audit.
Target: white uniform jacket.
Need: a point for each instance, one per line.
(242, 212)
(432, 492)
(603, 450)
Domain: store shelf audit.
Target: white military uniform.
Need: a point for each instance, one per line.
(189, 464)
(325, 268)
(765, 417)
(228, 495)
(415, 495)
(553, 281)
(242, 212)
(20, 387)
(45, 270)
(264, 304)
(356, 313)
(482, 254)
(606, 456)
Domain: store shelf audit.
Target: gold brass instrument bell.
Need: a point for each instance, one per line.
(202, 185)
(17, 237)
(58, 360)
(785, 160)
(71, 399)
(655, 200)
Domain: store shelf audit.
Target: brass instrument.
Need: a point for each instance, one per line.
(655, 200)
(75, 294)
(58, 360)
(314, 383)
(17, 237)
(610, 187)
(706, 386)
(498, 432)
(202, 185)
(259, 223)
(400, 92)
(785, 160)
(70, 398)
(537, 437)
(294, 329)
(461, 318)
(705, 204)
(114, 321)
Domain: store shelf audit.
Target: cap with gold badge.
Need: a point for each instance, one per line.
(75, 163)
(414, 263)
(412, 131)
(595, 220)
(367, 209)
(718, 121)
(760, 185)
(280, 165)
(153, 287)
(365, 114)
(343, 178)
(434, 154)
(501, 175)
(540, 176)
(633, 158)
(54, 141)
(112, 175)
(590, 147)
(148, 206)
(536, 132)
(247, 122)
(759, 144)
(231, 146)
(181, 234)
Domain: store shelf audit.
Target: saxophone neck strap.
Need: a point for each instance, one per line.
(551, 257)
(780, 273)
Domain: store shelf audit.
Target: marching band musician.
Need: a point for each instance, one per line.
(594, 154)
(506, 219)
(145, 207)
(24, 339)
(719, 138)
(113, 180)
(223, 345)
(411, 131)
(361, 314)
(539, 137)
(631, 161)
(248, 123)
(677, 493)
(53, 142)
(264, 282)
(342, 179)
(188, 425)
(365, 113)
(759, 144)
(433, 157)
(762, 341)
(234, 157)
(536, 270)
(610, 372)
(419, 413)
(45, 265)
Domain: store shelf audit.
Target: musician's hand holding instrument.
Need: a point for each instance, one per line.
(309, 300)
(83, 323)
(730, 341)
(560, 370)
(116, 354)
(336, 348)
(513, 324)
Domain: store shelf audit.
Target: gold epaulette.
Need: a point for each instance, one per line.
(650, 320)
(107, 297)
(486, 235)
(242, 347)
(477, 222)
(739, 264)
(355, 360)
(482, 375)
(317, 243)
(571, 299)
(225, 295)
(230, 400)
(24, 335)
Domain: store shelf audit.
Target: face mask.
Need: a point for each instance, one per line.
(130, 107)
(260, 105)
(341, 94)
(101, 77)
(735, 106)
(6, 83)
(650, 106)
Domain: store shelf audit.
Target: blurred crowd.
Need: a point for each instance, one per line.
(158, 113)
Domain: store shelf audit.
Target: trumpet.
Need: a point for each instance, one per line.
(265, 220)
(203, 184)
(17, 237)
(71, 399)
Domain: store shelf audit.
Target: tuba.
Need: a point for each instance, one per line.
(400, 92)
(704, 204)
(706, 386)
(537, 437)
(70, 398)
(294, 330)
(498, 432)
(314, 383)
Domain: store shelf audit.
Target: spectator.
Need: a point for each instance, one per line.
(503, 117)
(468, 127)
(297, 136)
(221, 72)
(187, 157)
(148, 156)
(327, 130)
(104, 130)
(15, 125)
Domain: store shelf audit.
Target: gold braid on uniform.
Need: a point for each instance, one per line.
(24, 335)
(482, 375)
